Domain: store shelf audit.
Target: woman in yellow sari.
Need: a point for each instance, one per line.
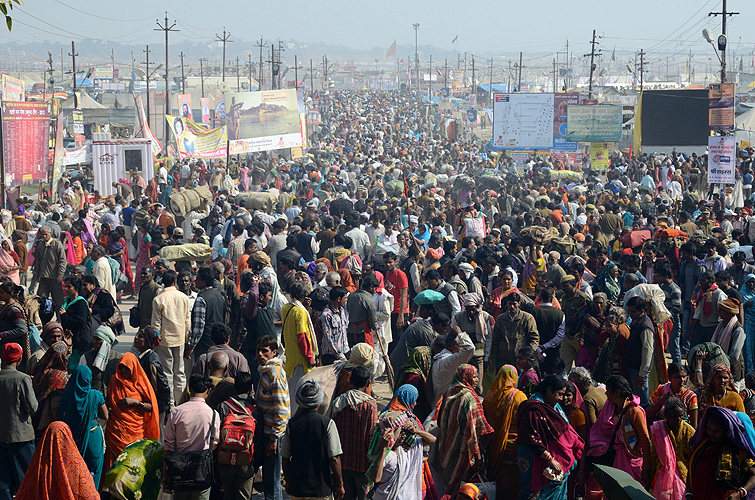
(500, 405)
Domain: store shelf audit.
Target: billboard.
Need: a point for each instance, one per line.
(594, 123)
(13, 89)
(195, 141)
(523, 121)
(675, 118)
(722, 159)
(560, 103)
(184, 106)
(219, 107)
(721, 106)
(262, 121)
(471, 118)
(26, 136)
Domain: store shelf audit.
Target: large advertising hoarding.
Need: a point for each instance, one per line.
(26, 136)
(13, 89)
(522, 121)
(195, 141)
(722, 159)
(262, 121)
(594, 123)
(561, 102)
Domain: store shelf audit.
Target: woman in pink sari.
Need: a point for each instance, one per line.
(142, 258)
(8, 264)
(671, 451)
(620, 432)
(70, 249)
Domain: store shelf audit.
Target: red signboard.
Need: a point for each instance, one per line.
(26, 136)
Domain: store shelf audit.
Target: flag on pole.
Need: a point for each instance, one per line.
(391, 50)
(455, 38)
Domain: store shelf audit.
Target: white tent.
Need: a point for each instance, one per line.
(85, 102)
(745, 126)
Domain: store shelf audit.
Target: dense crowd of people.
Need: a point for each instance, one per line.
(531, 327)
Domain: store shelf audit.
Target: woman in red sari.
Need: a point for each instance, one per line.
(126, 261)
(57, 471)
(723, 458)
(133, 411)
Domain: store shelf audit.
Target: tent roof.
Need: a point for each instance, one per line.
(85, 102)
(746, 121)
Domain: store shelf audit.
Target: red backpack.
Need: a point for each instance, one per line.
(237, 435)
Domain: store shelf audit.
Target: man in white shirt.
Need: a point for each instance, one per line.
(361, 243)
(101, 270)
(458, 350)
(171, 316)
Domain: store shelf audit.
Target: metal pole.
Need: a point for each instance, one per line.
(147, 73)
(201, 73)
(311, 77)
(296, 72)
(723, 51)
(238, 76)
(416, 51)
(183, 77)
(592, 63)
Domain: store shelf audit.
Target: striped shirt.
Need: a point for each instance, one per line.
(272, 398)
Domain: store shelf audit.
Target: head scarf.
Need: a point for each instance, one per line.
(469, 490)
(103, 354)
(228, 268)
(346, 281)
(404, 399)
(79, 404)
(462, 423)
(480, 328)
(12, 352)
(151, 336)
(137, 386)
(610, 286)
(49, 327)
(6, 260)
(362, 354)
(418, 364)
(309, 395)
(262, 258)
(723, 333)
(381, 282)
(706, 397)
(51, 373)
(578, 400)
(57, 470)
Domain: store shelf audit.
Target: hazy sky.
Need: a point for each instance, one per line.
(666, 28)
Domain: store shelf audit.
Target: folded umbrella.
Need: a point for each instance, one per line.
(618, 485)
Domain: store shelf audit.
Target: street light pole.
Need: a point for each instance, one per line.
(416, 51)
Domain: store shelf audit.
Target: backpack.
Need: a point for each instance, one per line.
(716, 356)
(237, 435)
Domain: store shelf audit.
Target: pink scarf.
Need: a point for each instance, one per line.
(722, 335)
(668, 483)
(70, 250)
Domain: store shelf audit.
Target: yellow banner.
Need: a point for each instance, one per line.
(195, 141)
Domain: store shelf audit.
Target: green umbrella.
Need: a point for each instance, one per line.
(618, 485)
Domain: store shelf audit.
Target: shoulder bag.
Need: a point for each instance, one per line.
(191, 470)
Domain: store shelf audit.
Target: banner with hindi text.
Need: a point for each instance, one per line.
(195, 141)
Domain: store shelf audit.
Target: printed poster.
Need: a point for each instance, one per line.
(561, 102)
(13, 89)
(184, 106)
(195, 141)
(522, 121)
(600, 154)
(205, 102)
(721, 106)
(26, 136)
(722, 159)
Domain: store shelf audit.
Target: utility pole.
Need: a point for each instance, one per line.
(280, 59)
(112, 61)
(311, 77)
(238, 76)
(73, 73)
(62, 70)
(554, 76)
(490, 87)
(167, 29)
(474, 84)
(183, 77)
(642, 69)
(724, 13)
(49, 62)
(430, 89)
(133, 61)
(296, 72)
(261, 79)
(592, 55)
(249, 55)
(519, 85)
(146, 51)
(445, 75)
(201, 73)
(568, 74)
(508, 87)
(416, 51)
(224, 40)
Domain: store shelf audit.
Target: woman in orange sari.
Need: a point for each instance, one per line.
(133, 411)
(57, 471)
(500, 405)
